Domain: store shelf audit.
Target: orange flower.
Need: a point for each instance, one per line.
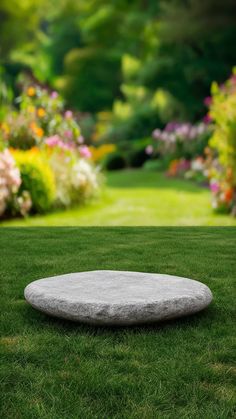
(173, 168)
(31, 91)
(39, 132)
(36, 130)
(41, 112)
(33, 125)
(229, 173)
(229, 195)
(34, 150)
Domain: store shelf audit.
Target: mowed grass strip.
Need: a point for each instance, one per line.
(139, 198)
(53, 369)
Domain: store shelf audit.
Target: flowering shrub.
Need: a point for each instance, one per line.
(9, 179)
(48, 154)
(11, 200)
(194, 169)
(178, 167)
(180, 140)
(222, 156)
(76, 179)
(40, 117)
(37, 178)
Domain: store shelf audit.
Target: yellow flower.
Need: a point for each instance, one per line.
(31, 91)
(98, 153)
(5, 128)
(31, 109)
(41, 112)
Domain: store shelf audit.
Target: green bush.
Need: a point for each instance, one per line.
(155, 165)
(115, 161)
(135, 151)
(138, 157)
(37, 178)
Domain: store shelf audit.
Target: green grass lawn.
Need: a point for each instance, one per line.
(138, 197)
(54, 369)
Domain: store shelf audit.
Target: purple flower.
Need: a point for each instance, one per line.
(183, 130)
(172, 126)
(184, 164)
(207, 118)
(215, 187)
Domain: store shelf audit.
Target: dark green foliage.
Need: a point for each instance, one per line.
(18, 22)
(197, 46)
(115, 161)
(80, 48)
(143, 121)
(138, 157)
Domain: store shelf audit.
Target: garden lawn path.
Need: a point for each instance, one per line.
(138, 197)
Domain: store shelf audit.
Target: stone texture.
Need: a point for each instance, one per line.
(117, 297)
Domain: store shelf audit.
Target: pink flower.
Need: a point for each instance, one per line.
(184, 164)
(68, 114)
(233, 79)
(56, 141)
(149, 149)
(80, 139)
(68, 133)
(54, 95)
(208, 101)
(207, 118)
(85, 152)
(156, 133)
(215, 187)
(10, 179)
(53, 141)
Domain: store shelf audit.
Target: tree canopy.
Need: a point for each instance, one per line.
(122, 54)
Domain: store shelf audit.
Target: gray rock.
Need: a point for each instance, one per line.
(117, 298)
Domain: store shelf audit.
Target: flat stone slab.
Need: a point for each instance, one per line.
(117, 297)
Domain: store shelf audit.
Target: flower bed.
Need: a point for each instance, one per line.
(180, 147)
(205, 152)
(44, 162)
(222, 155)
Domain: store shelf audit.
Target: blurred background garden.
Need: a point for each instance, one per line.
(117, 112)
